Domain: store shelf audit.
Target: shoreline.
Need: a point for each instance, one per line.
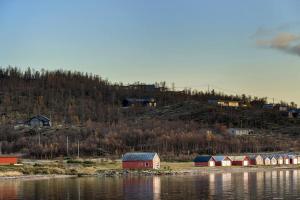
(162, 172)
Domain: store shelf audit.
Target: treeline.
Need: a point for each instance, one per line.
(172, 139)
(75, 97)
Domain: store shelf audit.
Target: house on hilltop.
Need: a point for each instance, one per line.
(239, 131)
(223, 103)
(39, 121)
(132, 102)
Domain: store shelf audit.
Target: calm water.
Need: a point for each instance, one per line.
(283, 184)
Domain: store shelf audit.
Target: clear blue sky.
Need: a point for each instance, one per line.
(235, 46)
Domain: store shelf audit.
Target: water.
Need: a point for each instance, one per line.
(277, 184)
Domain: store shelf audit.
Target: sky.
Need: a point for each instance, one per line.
(234, 46)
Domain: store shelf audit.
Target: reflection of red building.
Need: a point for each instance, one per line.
(9, 189)
(8, 160)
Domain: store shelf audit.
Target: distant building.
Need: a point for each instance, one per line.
(283, 108)
(239, 131)
(293, 159)
(132, 102)
(273, 160)
(268, 106)
(39, 121)
(8, 159)
(224, 103)
(256, 160)
(267, 160)
(141, 160)
(286, 159)
(240, 160)
(202, 161)
(279, 159)
(298, 159)
(222, 160)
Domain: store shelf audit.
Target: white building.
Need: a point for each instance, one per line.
(239, 131)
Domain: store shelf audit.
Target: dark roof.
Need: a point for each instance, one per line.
(139, 156)
(203, 158)
(139, 100)
(41, 118)
(254, 156)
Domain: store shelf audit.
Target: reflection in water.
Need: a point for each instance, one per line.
(245, 185)
(9, 189)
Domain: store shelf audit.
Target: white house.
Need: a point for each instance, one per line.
(239, 131)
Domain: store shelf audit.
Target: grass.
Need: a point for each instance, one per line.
(178, 165)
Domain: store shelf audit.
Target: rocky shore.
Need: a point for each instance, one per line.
(58, 170)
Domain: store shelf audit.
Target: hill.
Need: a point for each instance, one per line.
(88, 109)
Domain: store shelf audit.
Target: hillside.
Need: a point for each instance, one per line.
(88, 109)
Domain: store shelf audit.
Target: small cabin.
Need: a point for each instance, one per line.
(240, 160)
(273, 160)
(267, 160)
(132, 102)
(202, 161)
(279, 159)
(141, 160)
(286, 159)
(293, 159)
(298, 159)
(8, 160)
(239, 131)
(256, 160)
(222, 160)
(39, 121)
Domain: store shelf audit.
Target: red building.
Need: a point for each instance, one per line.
(141, 160)
(240, 160)
(8, 160)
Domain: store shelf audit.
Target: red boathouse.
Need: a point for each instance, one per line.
(240, 160)
(8, 160)
(141, 160)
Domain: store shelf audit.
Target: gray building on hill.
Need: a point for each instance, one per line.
(39, 121)
(132, 102)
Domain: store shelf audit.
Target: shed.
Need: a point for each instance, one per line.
(267, 160)
(256, 160)
(298, 159)
(279, 159)
(286, 159)
(239, 131)
(240, 160)
(39, 121)
(141, 160)
(8, 159)
(222, 160)
(205, 160)
(132, 102)
(273, 160)
(293, 159)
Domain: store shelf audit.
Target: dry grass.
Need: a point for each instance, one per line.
(10, 174)
(178, 165)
